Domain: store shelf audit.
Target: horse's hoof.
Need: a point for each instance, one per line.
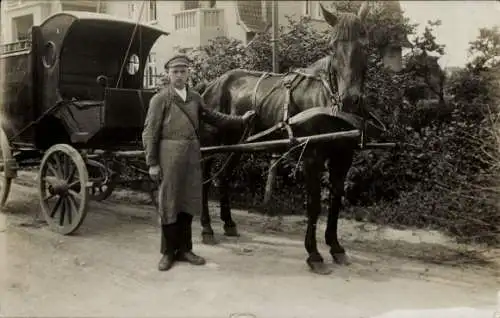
(341, 259)
(208, 239)
(319, 267)
(231, 231)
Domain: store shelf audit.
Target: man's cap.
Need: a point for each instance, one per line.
(178, 60)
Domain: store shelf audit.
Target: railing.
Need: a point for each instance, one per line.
(15, 46)
(90, 5)
(10, 4)
(198, 18)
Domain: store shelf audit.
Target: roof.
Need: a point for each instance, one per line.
(92, 16)
(251, 15)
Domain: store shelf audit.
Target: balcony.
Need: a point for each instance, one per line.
(15, 47)
(89, 5)
(195, 27)
(15, 4)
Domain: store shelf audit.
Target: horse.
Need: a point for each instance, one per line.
(334, 81)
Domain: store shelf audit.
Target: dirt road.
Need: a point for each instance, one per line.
(109, 269)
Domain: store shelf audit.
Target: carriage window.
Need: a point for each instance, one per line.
(49, 54)
(133, 64)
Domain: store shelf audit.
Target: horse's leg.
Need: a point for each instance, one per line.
(313, 170)
(225, 200)
(338, 166)
(207, 233)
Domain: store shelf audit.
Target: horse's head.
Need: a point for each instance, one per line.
(349, 58)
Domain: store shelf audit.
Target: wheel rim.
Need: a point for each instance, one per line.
(63, 181)
(5, 169)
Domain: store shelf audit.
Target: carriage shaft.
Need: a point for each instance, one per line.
(264, 146)
(116, 154)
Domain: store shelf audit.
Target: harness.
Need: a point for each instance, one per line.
(290, 82)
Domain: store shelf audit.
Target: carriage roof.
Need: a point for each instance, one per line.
(92, 19)
(88, 26)
(96, 27)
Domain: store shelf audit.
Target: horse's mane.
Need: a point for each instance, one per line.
(314, 69)
(348, 28)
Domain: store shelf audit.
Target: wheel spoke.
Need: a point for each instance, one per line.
(74, 185)
(47, 198)
(51, 180)
(71, 174)
(58, 165)
(67, 166)
(54, 171)
(56, 207)
(73, 206)
(70, 209)
(74, 194)
(63, 212)
(62, 161)
(73, 203)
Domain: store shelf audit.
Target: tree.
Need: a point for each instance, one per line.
(422, 63)
(485, 49)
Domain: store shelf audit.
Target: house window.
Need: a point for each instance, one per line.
(312, 9)
(22, 26)
(307, 7)
(150, 76)
(189, 5)
(317, 12)
(131, 10)
(212, 3)
(152, 10)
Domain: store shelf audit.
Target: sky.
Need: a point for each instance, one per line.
(461, 21)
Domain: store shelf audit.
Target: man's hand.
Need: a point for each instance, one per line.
(154, 173)
(248, 115)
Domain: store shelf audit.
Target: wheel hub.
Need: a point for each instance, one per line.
(59, 187)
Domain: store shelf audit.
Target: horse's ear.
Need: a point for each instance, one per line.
(330, 17)
(363, 11)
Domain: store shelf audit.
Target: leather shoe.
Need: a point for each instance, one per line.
(166, 263)
(191, 258)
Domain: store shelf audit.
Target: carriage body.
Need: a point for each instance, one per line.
(52, 93)
(18, 91)
(72, 105)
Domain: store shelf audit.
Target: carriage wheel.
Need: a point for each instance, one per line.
(63, 181)
(100, 191)
(6, 171)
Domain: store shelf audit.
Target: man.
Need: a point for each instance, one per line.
(172, 149)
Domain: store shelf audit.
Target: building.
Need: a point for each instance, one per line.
(19, 15)
(190, 23)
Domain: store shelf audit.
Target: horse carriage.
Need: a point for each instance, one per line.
(75, 108)
(74, 104)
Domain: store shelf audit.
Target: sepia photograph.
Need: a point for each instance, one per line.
(250, 159)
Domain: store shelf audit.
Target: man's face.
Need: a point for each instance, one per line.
(178, 76)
